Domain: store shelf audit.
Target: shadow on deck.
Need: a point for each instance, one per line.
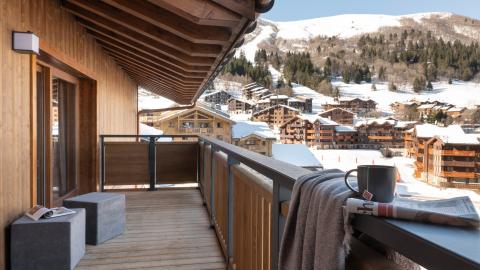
(166, 229)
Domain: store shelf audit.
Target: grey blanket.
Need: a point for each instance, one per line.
(314, 235)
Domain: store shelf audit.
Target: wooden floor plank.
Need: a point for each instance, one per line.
(166, 229)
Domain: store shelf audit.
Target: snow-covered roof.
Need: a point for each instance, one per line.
(200, 106)
(292, 99)
(260, 91)
(256, 88)
(264, 101)
(456, 109)
(344, 129)
(242, 100)
(327, 111)
(277, 105)
(214, 92)
(426, 106)
(296, 154)
(326, 121)
(279, 97)
(148, 130)
(380, 121)
(245, 128)
(460, 139)
(453, 134)
(404, 124)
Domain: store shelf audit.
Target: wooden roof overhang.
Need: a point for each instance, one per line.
(173, 48)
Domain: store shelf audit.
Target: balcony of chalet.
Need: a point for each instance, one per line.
(192, 201)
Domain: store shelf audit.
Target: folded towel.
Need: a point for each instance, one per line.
(314, 235)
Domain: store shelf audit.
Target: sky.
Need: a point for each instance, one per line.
(290, 10)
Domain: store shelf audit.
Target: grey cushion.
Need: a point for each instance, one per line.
(105, 215)
(55, 243)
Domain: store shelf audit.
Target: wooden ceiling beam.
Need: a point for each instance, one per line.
(246, 8)
(182, 74)
(127, 20)
(164, 92)
(103, 26)
(139, 49)
(161, 17)
(201, 12)
(166, 89)
(151, 70)
(153, 76)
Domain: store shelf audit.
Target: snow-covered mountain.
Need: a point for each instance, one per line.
(296, 35)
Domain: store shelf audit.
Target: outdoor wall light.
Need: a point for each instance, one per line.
(25, 42)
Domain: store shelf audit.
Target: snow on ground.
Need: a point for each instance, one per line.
(276, 75)
(251, 47)
(409, 185)
(240, 116)
(147, 102)
(442, 91)
(318, 99)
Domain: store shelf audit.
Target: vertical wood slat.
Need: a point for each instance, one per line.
(252, 220)
(207, 176)
(220, 198)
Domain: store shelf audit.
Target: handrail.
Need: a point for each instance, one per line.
(282, 174)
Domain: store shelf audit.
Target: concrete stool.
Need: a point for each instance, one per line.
(51, 244)
(105, 215)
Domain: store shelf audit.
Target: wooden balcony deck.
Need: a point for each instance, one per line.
(166, 229)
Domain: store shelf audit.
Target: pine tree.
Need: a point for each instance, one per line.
(429, 86)
(392, 87)
(374, 87)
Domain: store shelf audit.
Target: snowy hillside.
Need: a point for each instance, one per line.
(295, 35)
(468, 93)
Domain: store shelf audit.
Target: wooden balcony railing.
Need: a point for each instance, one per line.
(458, 153)
(195, 130)
(246, 194)
(455, 163)
(455, 174)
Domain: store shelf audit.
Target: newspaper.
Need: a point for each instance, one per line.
(458, 211)
(39, 211)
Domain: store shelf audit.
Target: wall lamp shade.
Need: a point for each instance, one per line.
(25, 42)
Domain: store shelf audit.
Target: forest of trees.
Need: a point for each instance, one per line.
(434, 56)
(242, 67)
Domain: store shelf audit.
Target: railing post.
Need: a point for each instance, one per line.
(280, 194)
(230, 201)
(212, 183)
(152, 163)
(102, 163)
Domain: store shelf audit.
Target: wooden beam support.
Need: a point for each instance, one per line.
(201, 12)
(161, 17)
(183, 75)
(147, 52)
(133, 38)
(152, 72)
(124, 20)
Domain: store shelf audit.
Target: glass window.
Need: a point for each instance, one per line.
(64, 160)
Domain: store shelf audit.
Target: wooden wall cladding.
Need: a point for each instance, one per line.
(116, 94)
(177, 162)
(126, 163)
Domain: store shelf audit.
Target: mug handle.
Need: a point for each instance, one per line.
(348, 184)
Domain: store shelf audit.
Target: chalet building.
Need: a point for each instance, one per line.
(275, 115)
(355, 105)
(278, 100)
(381, 133)
(260, 94)
(248, 92)
(455, 112)
(445, 156)
(432, 107)
(217, 97)
(298, 130)
(240, 105)
(301, 103)
(201, 119)
(345, 137)
(339, 115)
(262, 104)
(309, 130)
(254, 136)
(248, 88)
